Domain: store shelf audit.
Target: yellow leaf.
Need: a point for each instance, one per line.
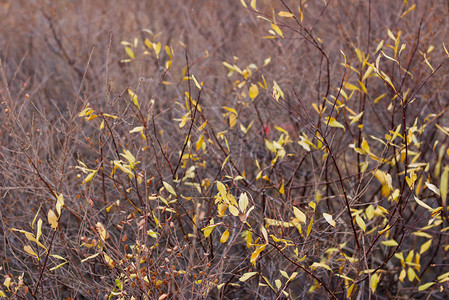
(256, 253)
(137, 129)
(89, 177)
(108, 260)
(425, 286)
(59, 204)
(381, 176)
(411, 274)
(421, 203)
(253, 5)
(277, 92)
(360, 222)
(285, 14)
(355, 118)
(253, 91)
(199, 86)
(373, 282)
(369, 211)
(152, 233)
(349, 292)
(224, 236)
(247, 276)
(157, 49)
(129, 157)
(264, 233)
(309, 227)
(299, 214)
(277, 29)
(39, 229)
(233, 210)
(7, 283)
(320, 265)
(365, 146)
(232, 120)
(58, 266)
(425, 246)
(208, 230)
(90, 257)
(169, 188)
(433, 188)
(134, 98)
(222, 190)
(101, 231)
(329, 219)
(52, 219)
(30, 250)
(390, 243)
(230, 109)
(243, 202)
(130, 52)
(350, 86)
(282, 188)
(444, 184)
(300, 13)
(334, 123)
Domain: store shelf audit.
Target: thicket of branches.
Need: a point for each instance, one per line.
(224, 149)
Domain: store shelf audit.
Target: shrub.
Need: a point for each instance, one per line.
(224, 150)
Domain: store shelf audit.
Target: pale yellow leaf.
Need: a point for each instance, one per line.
(320, 265)
(90, 257)
(243, 202)
(433, 188)
(169, 188)
(425, 286)
(247, 276)
(30, 250)
(299, 214)
(421, 203)
(52, 219)
(390, 243)
(329, 219)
